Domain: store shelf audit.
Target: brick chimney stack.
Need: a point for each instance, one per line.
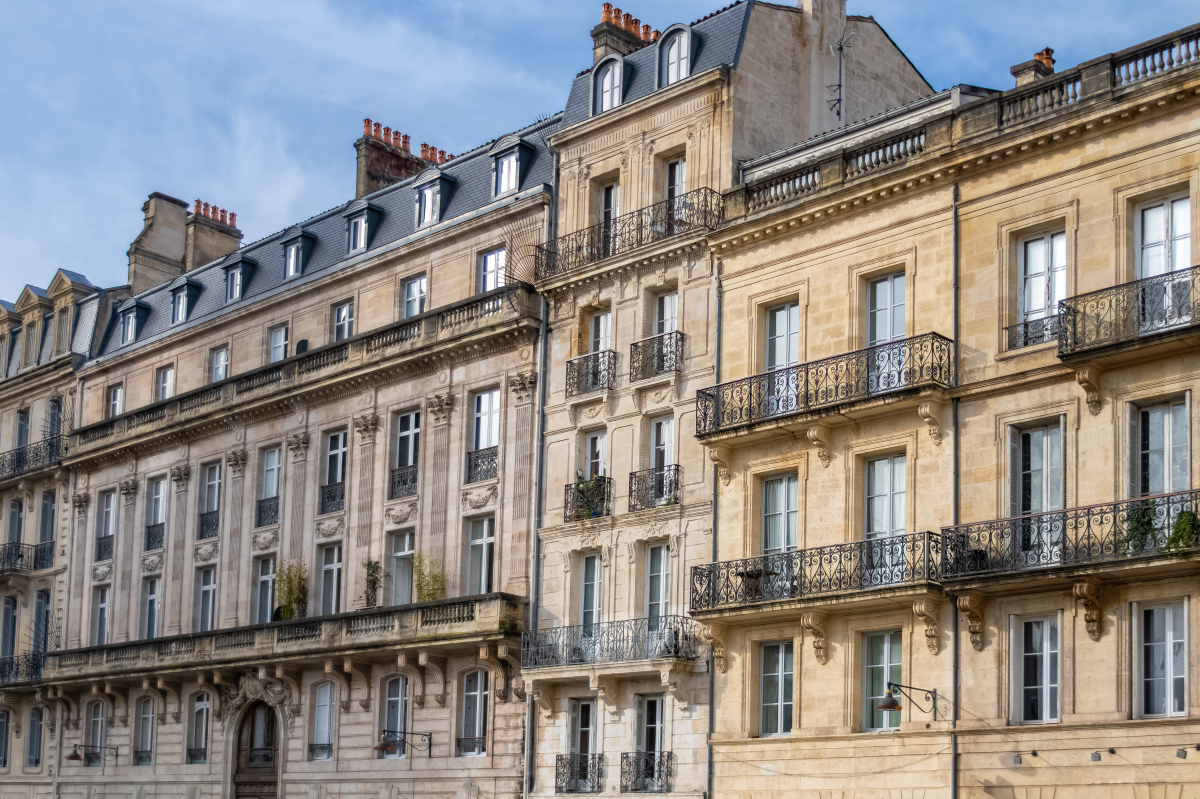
(174, 241)
(211, 233)
(618, 32)
(384, 158)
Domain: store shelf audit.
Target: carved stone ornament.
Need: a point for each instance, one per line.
(930, 612)
(479, 498)
(205, 552)
(972, 606)
(275, 693)
(816, 623)
(594, 411)
(720, 457)
(607, 691)
(819, 436)
(180, 474)
(398, 515)
(714, 636)
(264, 541)
(331, 528)
(676, 539)
(1090, 594)
(929, 412)
(522, 386)
(235, 459)
(101, 572)
(129, 488)
(297, 444)
(365, 426)
(1089, 380)
(81, 500)
(439, 407)
(152, 564)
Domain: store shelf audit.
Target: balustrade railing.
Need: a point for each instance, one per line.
(16, 556)
(333, 497)
(776, 189)
(143, 418)
(253, 382)
(266, 512)
(488, 305)
(1043, 97)
(210, 524)
(1130, 311)
(588, 499)
(482, 464)
(30, 457)
(648, 638)
(155, 536)
(454, 613)
(578, 773)
(43, 555)
(104, 548)
(884, 154)
(323, 359)
(647, 772)
(594, 372)
(655, 356)
(862, 375)
(304, 631)
(200, 399)
(1031, 332)
(392, 336)
(695, 210)
(22, 668)
(403, 482)
(97, 432)
(654, 488)
(855, 566)
(1157, 59)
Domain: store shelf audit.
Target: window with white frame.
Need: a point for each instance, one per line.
(506, 173)
(220, 364)
(427, 205)
(395, 715)
(265, 596)
(1036, 461)
(474, 714)
(358, 233)
(16, 520)
(278, 343)
(1163, 236)
(233, 285)
(21, 438)
(212, 487)
(331, 579)
(272, 468)
(583, 733)
(649, 718)
(675, 62)
(343, 321)
(323, 727)
(1160, 659)
(414, 296)
(33, 751)
(658, 584)
(589, 591)
(295, 256)
(783, 336)
(780, 514)
(156, 500)
(482, 555)
(487, 419)
(335, 457)
(408, 439)
(63, 339)
(116, 404)
(206, 604)
(179, 307)
(145, 731)
(881, 665)
(665, 320)
(100, 617)
(1043, 270)
(491, 270)
(608, 86)
(401, 566)
(152, 605)
(886, 493)
(885, 314)
(106, 517)
(601, 332)
(165, 382)
(775, 690)
(198, 729)
(1158, 438)
(595, 455)
(1036, 667)
(96, 730)
(128, 327)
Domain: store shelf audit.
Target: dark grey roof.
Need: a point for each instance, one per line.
(718, 41)
(37, 291)
(75, 277)
(85, 326)
(8, 306)
(14, 352)
(471, 190)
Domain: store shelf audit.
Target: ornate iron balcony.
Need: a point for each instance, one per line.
(141, 757)
(16, 556)
(320, 751)
(655, 487)
(197, 756)
(260, 757)
(588, 499)
(266, 512)
(155, 536)
(702, 209)
(655, 356)
(104, 548)
(30, 457)
(471, 746)
(1034, 331)
(647, 772)
(592, 372)
(403, 482)
(22, 668)
(611, 642)
(482, 464)
(333, 497)
(210, 524)
(578, 773)
(1131, 311)
(812, 388)
(43, 555)
(1137, 528)
(842, 568)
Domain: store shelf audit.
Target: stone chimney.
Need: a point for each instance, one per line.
(1041, 66)
(384, 158)
(618, 32)
(157, 254)
(211, 233)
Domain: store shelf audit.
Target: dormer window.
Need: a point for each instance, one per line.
(184, 291)
(358, 234)
(297, 248)
(293, 260)
(506, 173)
(608, 86)
(675, 58)
(233, 285)
(362, 221)
(238, 271)
(428, 201)
(132, 315)
(179, 307)
(128, 327)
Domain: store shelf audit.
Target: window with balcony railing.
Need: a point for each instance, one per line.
(155, 536)
(104, 548)
(579, 773)
(596, 371)
(333, 497)
(654, 488)
(588, 499)
(403, 482)
(655, 356)
(482, 464)
(266, 512)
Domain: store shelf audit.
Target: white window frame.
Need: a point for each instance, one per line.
(107, 512)
(1172, 260)
(179, 307)
(482, 557)
(1176, 413)
(650, 734)
(609, 86)
(145, 725)
(477, 721)
(358, 233)
(212, 487)
(600, 332)
(198, 726)
(784, 711)
(219, 364)
(336, 455)
(414, 296)
(294, 256)
(891, 525)
(277, 343)
(506, 173)
(869, 702)
(408, 439)
(403, 549)
(583, 732)
(677, 57)
(206, 605)
(658, 581)
(265, 588)
(1050, 472)
(153, 607)
(233, 285)
(128, 327)
(395, 711)
(272, 472)
(1052, 668)
(33, 744)
(783, 336)
(323, 721)
(96, 731)
(343, 321)
(1048, 284)
(100, 617)
(492, 269)
(595, 455)
(893, 311)
(786, 514)
(487, 419)
(427, 204)
(1138, 636)
(591, 582)
(331, 579)
(116, 400)
(156, 500)
(164, 382)
(666, 313)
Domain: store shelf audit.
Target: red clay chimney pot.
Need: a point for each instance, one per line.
(606, 12)
(387, 135)
(367, 127)
(224, 217)
(627, 21)
(232, 219)
(196, 207)
(205, 211)
(441, 156)
(405, 143)
(375, 130)
(654, 36)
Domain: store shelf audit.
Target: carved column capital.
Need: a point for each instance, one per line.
(1090, 593)
(235, 459)
(297, 444)
(522, 386)
(816, 624)
(129, 487)
(81, 500)
(972, 606)
(180, 474)
(365, 426)
(439, 406)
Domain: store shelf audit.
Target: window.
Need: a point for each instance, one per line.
(165, 381)
(1037, 670)
(179, 307)
(206, 606)
(474, 718)
(427, 211)
(664, 313)
(145, 731)
(601, 327)
(41, 621)
(583, 729)
(649, 721)
(46, 518)
(1160, 659)
(294, 259)
(22, 436)
(153, 605)
(335, 460)
(1159, 442)
(100, 625)
(279, 343)
(3, 739)
(506, 173)
(272, 465)
(780, 514)
(608, 86)
(33, 755)
(212, 487)
(491, 271)
(53, 418)
(64, 329)
(358, 233)
(157, 500)
(331, 579)
(676, 182)
(881, 665)
(395, 713)
(343, 321)
(266, 589)
(1039, 461)
(323, 727)
(1043, 275)
(115, 401)
(16, 521)
(658, 583)
(233, 284)
(776, 690)
(414, 297)
(198, 729)
(31, 344)
(676, 61)
(783, 336)
(886, 495)
(220, 364)
(589, 591)
(487, 419)
(483, 543)
(596, 455)
(8, 628)
(95, 732)
(408, 439)
(1163, 235)
(885, 322)
(104, 520)
(402, 568)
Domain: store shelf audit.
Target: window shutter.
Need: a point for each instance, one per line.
(1014, 471)
(574, 726)
(1062, 462)
(1131, 454)
(1016, 647)
(640, 721)
(1135, 639)
(1187, 407)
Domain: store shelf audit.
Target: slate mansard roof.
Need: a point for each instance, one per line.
(717, 42)
(470, 192)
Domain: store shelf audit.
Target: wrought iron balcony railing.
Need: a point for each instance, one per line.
(260, 757)
(333, 497)
(1116, 531)
(695, 210)
(482, 464)
(647, 772)
(1128, 312)
(588, 499)
(471, 746)
(210, 524)
(141, 757)
(1031, 332)
(855, 566)
(655, 356)
(320, 751)
(818, 386)
(594, 372)
(578, 773)
(197, 756)
(155, 536)
(104, 548)
(403, 482)
(611, 642)
(15, 556)
(22, 668)
(266, 512)
(654, 488)
(30, 457)
(43, 555)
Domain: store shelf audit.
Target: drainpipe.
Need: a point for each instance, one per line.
(712, 677)
(954, 509)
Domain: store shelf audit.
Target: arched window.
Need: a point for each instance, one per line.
(608, 86)
(676, 58)
(395, 715)
(474, 714)
(321, 747)
(198, 729)
(145, 731)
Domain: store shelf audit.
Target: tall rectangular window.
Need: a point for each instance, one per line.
(414, 297)
(198, 729)
(343, 321)
(22, 435)
(601, 332)
(780, 514)
(1043, 275)
(206, 605)
(153, 606)
(323, 729)
(128, 327)
(1040, 478)
(649, 718)
(506, 173)
(64, 329)
(491, 270)
(156, 500)
(115, 401)
(596, 455)
(272, 466)
(881, 665)
(583, 731)
(1161, 652)
(100, 616)
(294, 254)
(166, 383)
(1164, 236)
(1037, 670)
(775, 690)
(179, 307)
(220, 364)
(8, 628)
(4, 716)
(665, 315)
(33, 753)
(1162, 449)
(487, 419)
(279, 343)
(676, 177)
(331, 579)
(335, 458)
(408, 439)
(886, 489)
(402, 567)
(474, 721)
(46, 517)
(16, 521)
(658, 581)
(106, 517)
(358, 233)
(483, 544)
(427, 212)
(265, 599)
(589, 591)
(885, 320)
(395, 713)
(145, 731)
(783, 336)
(233, 285)
(212, 487)
(41, 621)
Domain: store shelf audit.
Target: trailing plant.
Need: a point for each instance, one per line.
(371, 595)
(291, 589)
(1183, 533)
(428, 579)
(1140, 527)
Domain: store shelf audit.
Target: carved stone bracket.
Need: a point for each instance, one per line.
(541, 698)
(172, 691)
(81, 501)
(972, 606)
(720, 457)
(129, 487)
(518, 682)
(714, 636)
(415, 678)
(930, 612)
(606, 689)
(180, 474)
(819, 436)
(675, 688)
(365, 426)
(363, 672)
(342, 681)
(499, 681)
(1089, 379)
(235, 459)
(1090, 594)
(816, 624)
(432, 669)
(929, 411)
(522, 386)
(297, 444)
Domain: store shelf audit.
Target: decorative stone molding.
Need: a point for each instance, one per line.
(541, 698)
(1090, 594)
(1089, 379)
(929, 611)
(81, 500)
(714, 636)
(129, 487)
(397, 515)
(972, 606)
(720, 457)
(816, 624)
(264, 541)
(608, 692)
(512, 657)
(819, 436)
(674, 688)
(929, 412)
(331, 528)
(235, 459)
(250, 688)
(297, 444)
(566, 562)
(439, 406)
(522, 386)
(152, 564)
(433, 670)
(499, 681)
(180, 474)
(631, 550)
(366, 426)
(205, 552)
(101, 573)
(479, 498)
(676, 539)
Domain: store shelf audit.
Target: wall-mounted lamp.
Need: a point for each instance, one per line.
(1017, 757)
(1181, 753)
(889, 701)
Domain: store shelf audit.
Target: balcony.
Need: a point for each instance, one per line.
(658, 355)
(259, 757)
(482, 464)
(320, 751)
(31, 457)
(702, 209)
(333, 497)
(1133, 530)
(155, 536)
(588, 499)
(210, 524)
(647, 772)
(22, 668)
(197, 756)
(822, 387)
(141, 757)
(1115, 325)
(104, 548)
(594, 372)
(15, 556)
(266, 512)
(43, 555)
(1031, 333)
(470, 747)
(403, 482)
(857, 566)
(578, 773)
(654, 488)
(654, 638)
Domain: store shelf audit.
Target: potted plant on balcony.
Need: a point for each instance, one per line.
(586, 490)
(1183, 533)
(371, 594)
(291, 589)
(1140, 528)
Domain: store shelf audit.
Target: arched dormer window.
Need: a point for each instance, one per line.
(607, 89)
(674, 55)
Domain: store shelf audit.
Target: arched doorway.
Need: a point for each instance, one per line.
(256, 765)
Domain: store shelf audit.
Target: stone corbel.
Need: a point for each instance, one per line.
(432, 669)
(1090, 594)
(541, 698)
(815, 623)
(819, 436)
(174, 692)
(504, 652)
(607, 691)
(289, 677)
(714, 636)
(930, 612)
(972, 606)
(1089, 379)
(930, 412)
(159, 699)
(499, 679)
(415, 678)
(72, 715)
(363, 672)
(122, 712)
(673, 687)
(342, 682)
(42, 699)
(720, 457)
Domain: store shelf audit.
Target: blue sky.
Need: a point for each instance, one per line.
(254, 106)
